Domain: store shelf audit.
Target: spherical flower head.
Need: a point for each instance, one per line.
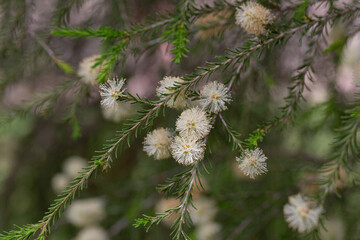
(59, 182)
(73, 165)
(92, 233)
(300, 215)
(86, 71)
(121, 111)
(187, 150)
(157, 143)
(214, 96)
(253, 17)
(86, 212)
(252, 162)
(178, 101)
(193, 122)
(111, 91)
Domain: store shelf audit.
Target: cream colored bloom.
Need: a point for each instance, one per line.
(178, 101)
(86, 72)
(187, 150)
(121, 111)
(92, 233)
(205, 211)
(59, 182)
(214, 96)
(157, 143)
(253, 17)
(86, 212)
(73, 165)
(300, 215)
(252, 162)
(111, 91)
(193, 122)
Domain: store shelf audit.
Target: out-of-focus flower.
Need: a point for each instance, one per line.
(86, 72)
(111, 91)
(253, 17)
(194, 123)
(164, 205)
(119, 112)
(208, 231)
(187, 150)
(252, 162)
(73, 165)
(300, 215)
(59, 182)
(211, 24)
(214, 96)
(178, 101)
(92, 233)
(86, 212)
(157, 143)
(205, 211)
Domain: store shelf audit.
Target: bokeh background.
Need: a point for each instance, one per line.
(37, 150)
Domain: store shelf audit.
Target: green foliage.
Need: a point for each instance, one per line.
(176, 29)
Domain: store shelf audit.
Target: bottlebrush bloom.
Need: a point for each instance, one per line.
(187, 150)
(178, 101)
(110, 92)
(252, 162)
(193, 122)
(73, 165)
(121, 111)
(157, 143)
(86, 72)
(300, 215)
(253, 17)
(214, 96)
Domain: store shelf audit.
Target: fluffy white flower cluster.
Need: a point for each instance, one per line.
(120, 111)
(167, 87)
(301, 214)
(71, 167)
(252, 162)
(110, 93)
(87, 73)
(214, 96)
(157, 143)
(253, 17)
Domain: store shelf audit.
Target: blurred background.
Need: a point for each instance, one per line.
(40, 153)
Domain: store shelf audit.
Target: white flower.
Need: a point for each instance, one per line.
(59, 182)
(157, 143)
(252, 162)
(205, 210)
(208, 231)
(187, 150)
(214, 96)
(86, 212)
(119, 112)
(92, 233)
(73, 165)
(300, 215)
(178, 101)
(86, 72)
(110, 92)
(253, 17)
(193, 122)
